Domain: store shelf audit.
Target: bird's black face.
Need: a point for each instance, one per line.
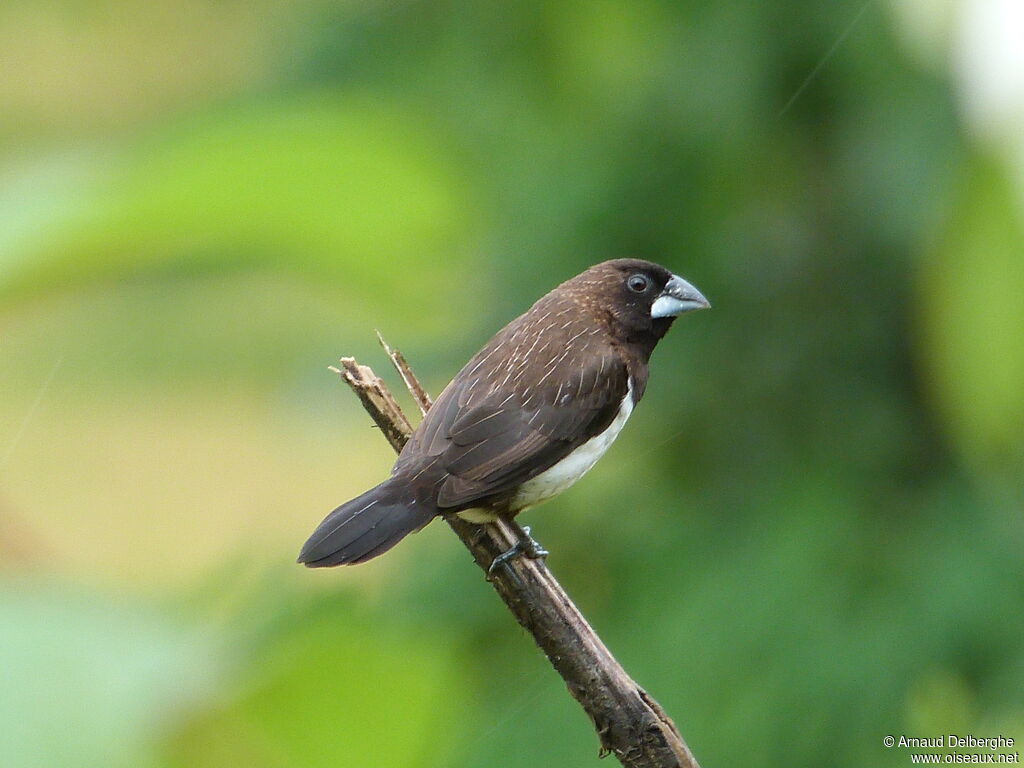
(644, 297)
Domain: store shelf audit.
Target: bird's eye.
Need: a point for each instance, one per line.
(638, 283)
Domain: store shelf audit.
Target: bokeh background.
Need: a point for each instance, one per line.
(809, 537)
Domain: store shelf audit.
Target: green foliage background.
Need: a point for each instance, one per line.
(809, 537)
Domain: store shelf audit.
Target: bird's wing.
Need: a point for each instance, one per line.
(496, 426)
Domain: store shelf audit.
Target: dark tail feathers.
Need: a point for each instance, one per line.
(364, 527)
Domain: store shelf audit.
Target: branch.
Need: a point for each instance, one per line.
(629, 723)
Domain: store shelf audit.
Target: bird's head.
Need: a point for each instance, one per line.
(639, 298)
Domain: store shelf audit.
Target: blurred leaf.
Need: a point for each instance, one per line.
(940, 702)
(609, 51)
(329, 188)
(88, 681)
(972, 318)
(76, 66)
(332, 691)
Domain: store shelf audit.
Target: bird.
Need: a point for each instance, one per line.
(525, 418)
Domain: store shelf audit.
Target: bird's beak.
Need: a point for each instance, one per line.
(678, 297)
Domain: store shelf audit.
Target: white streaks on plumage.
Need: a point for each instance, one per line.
(424, 468)
(483, 359)
(345, 520)
(546, 374)
(504, 381)
(583, 376)
(569, 343)
(481, 420)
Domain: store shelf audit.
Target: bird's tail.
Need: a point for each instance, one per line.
(365, 527)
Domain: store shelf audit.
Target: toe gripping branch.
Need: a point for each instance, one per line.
(526, 547)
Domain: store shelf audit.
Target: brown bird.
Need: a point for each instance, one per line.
(527, 417)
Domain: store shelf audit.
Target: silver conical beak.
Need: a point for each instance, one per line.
(678, 297)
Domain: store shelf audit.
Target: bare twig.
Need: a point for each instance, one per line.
(377, 400)
(629, 723)
(419, 394)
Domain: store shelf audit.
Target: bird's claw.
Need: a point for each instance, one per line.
(528, 547)
(532, 548)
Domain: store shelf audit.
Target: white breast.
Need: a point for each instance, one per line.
(553, 481)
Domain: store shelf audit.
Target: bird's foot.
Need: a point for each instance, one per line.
(529, 547)
(532, 548)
